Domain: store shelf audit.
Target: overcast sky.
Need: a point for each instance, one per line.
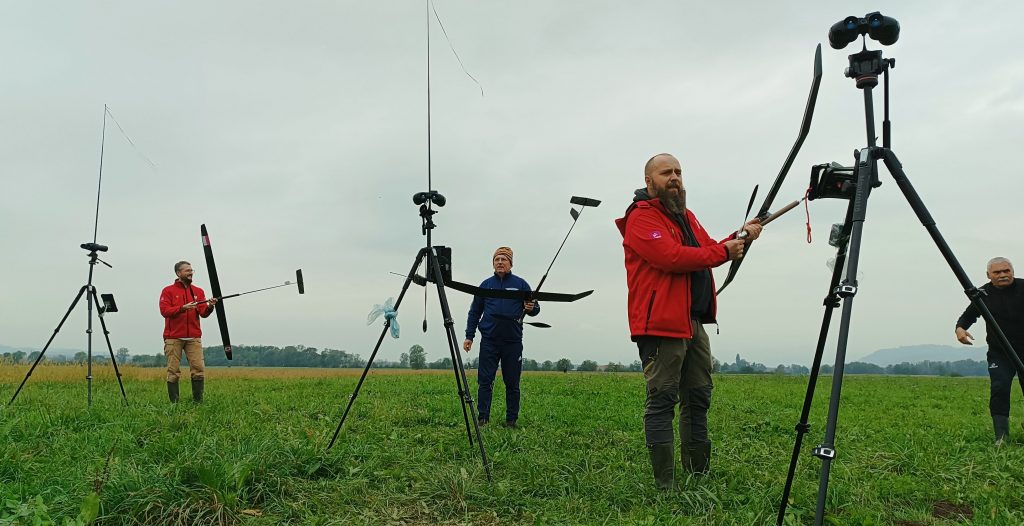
(297, 132)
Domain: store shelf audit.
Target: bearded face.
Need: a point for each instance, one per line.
(673, 197)
(664, 179)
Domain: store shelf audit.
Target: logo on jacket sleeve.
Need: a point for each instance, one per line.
(655, 234)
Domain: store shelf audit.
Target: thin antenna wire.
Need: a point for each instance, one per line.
(99, 185)
(456, 53)
(129, 139)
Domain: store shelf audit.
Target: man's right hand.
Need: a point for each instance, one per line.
(467, 345)
(963, 336)
(735, 248)
(188, 306)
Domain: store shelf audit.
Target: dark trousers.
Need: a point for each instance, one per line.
(510, 356)
(678, 373)
(1001, 371)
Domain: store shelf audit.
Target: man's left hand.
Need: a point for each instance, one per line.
(528, 306)
(212, 301)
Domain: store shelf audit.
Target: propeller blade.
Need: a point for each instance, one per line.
(211, 267)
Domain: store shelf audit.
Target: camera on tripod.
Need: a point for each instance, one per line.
(433, 196)
(94, 247)
(444, 260)
(884, 29)
(832, 181)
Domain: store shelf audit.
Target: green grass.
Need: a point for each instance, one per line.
(254, 453)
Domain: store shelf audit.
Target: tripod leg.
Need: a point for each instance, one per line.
(369, 362)
(48, 342)
(831, 303)
(866, 173)
(896, 169)
(460, 371)
(464, 393)
(453, 351)
(110, 349)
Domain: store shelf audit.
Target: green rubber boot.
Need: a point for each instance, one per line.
(663, 463)
(197, 390)
(696, 457)
(1001, 425)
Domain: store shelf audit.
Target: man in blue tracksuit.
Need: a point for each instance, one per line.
(502, 341)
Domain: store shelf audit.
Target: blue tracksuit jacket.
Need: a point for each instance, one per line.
(498, 319)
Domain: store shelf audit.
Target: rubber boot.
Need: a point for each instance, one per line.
(172, 392)
(696, 457)
(1001, 425)
(197, 390)
(694, 445)
(663, 463)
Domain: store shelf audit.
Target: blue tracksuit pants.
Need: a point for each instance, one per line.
(510, 356)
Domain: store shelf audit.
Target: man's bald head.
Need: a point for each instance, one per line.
(653, 160)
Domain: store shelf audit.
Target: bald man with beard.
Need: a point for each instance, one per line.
(671, 294)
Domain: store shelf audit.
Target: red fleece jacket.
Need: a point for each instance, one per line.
(178, 323)
(658, 267)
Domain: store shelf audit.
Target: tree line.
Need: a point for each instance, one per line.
(416, 358)
(922, 368)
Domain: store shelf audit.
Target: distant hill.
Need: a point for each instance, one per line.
(920, 353)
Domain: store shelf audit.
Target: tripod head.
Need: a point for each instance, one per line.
(93, 248)
(425, 199)
(866, 66)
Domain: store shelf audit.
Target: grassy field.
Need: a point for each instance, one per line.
(254, 453)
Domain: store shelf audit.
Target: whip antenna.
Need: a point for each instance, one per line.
(99, 185)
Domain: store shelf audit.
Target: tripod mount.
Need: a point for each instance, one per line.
(434, 273)
(91, 300)
(855, 184)
(438, 271)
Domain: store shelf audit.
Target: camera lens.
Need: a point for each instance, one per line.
(843, 32)
(884, 29)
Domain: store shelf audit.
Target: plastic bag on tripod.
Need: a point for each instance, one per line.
(831, 264)
(390, 316)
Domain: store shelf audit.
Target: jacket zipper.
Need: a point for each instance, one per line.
(650, 307)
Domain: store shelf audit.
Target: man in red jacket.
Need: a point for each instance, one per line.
(181, 305)
(669, 258)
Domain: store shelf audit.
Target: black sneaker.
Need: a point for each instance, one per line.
(482, 421)
(511, 424)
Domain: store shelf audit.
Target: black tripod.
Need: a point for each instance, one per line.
(438, 270)
(91, 300)
(855, 184)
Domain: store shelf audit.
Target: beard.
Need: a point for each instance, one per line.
(675, 203)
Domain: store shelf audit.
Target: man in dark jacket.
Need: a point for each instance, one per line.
(671, 293)
(181, 305)
(1004, 297)
(498, 320)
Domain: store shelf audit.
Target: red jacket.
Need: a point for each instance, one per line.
(178, 324)
(658, 267)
